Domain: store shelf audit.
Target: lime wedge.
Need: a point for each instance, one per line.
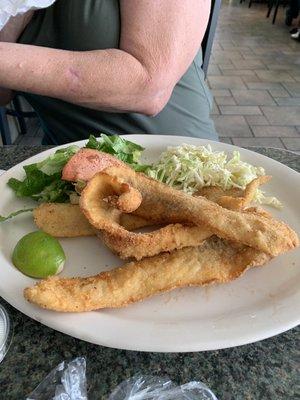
(39, 255)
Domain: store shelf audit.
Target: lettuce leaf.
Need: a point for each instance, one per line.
(43, 180)
(55, 163)
(119, 147)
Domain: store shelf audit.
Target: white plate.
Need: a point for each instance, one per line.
(262, 303)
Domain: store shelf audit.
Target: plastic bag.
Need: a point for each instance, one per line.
(155, 388)
(10, 8)
(68, 382)
(65, 382)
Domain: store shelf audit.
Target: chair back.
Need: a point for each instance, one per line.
(208, 39)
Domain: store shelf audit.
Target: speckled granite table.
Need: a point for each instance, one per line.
(261, 371)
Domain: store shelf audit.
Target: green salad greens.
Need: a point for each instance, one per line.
(43, 181)
(185, 167)
(117, 146)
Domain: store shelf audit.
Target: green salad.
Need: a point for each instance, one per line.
(186, 167)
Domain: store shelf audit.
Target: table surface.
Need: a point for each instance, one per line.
(265, 370)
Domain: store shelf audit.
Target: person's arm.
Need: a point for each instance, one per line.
(159, 39)
(10, 33)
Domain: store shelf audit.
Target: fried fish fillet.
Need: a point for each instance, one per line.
(178, 236)
(66, 220)
(215, 261)
(163, 204)
(171, 237)
(62, 220)
(167, 238)
(234, 198)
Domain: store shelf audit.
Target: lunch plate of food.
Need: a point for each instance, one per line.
(153, 243)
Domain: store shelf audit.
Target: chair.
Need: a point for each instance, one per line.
(21, 115)
(4, 128)
(275, 3)
(208, 39)
(18, 113)
(270, 6)
(252, 1)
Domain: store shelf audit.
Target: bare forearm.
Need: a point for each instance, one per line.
(158, 41)
(10, 33)
(111, 80)
(7, 34)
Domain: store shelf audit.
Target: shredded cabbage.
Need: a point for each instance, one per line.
(189, 168)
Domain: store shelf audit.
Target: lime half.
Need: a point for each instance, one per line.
(39, 255)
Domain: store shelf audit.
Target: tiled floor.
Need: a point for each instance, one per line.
(254, 74)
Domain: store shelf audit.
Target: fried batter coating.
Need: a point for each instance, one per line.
(132, 222)
(62, 220)
(170, 237)
(233, 199)
(67, 220)
(215, 261)
(163, 204)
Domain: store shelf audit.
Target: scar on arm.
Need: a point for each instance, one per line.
(74, 73)
(74, 79)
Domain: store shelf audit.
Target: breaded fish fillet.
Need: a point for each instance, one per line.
(215, 261)
(163, 204)
(167, 238)
(67, 220)
(62, 220)
(234, 198)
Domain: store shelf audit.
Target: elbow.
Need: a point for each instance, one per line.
(153, 105)
(155, 96)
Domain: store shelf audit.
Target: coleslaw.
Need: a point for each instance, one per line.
(189, 168)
